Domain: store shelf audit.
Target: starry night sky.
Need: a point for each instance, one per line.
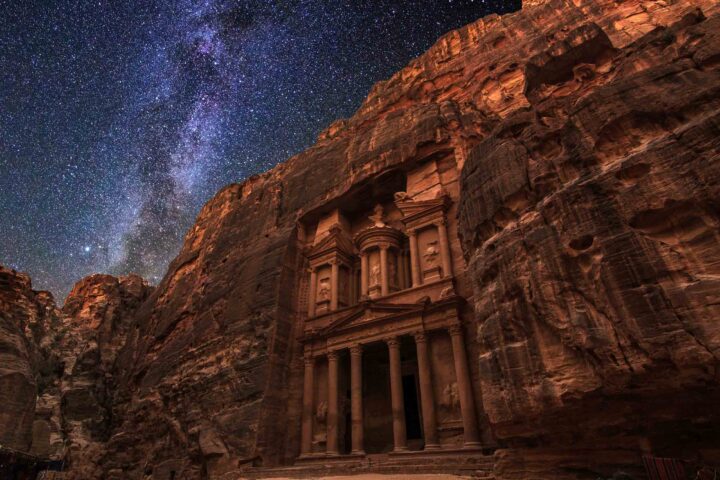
(120, 119)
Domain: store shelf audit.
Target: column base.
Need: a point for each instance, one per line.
(432, 446)
(358, 452)
(332, 454)
(400, 449)
(471, 445)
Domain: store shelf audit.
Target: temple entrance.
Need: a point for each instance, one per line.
(412, 410)
(377, 407)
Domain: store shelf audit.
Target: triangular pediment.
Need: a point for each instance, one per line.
(336, 239)
(370, 312)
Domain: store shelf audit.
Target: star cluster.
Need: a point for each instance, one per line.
(118, 120)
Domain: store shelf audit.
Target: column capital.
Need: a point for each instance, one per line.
(441, 221)
(420, 337)
(392, 341)
(412, 232)
(332, 355)
(308, 359)
(356, 349)
(455, 329)
(312, 269)
(384, 246)
(334, 261)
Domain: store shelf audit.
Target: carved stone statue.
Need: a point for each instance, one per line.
(431, 253)
(451, 396)
(375, 275)
(321, 412)
(377, 217)
(324, 290)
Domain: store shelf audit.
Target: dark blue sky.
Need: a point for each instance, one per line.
(119, 120)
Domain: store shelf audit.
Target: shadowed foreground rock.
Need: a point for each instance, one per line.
(528, 212)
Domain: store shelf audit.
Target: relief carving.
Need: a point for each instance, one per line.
(375, 275)
(431, 253)
(321, 412)
(392, 269)
(451, 397)
(324, 290)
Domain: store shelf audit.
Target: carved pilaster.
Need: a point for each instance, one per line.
(335, 284)
(384, 273)
(471, 432)
(312, 294)
(308, 401)
(356, 413)
(364, 270)
(396, 393)
(427, 398)
(414, 259)
(444, 248)
(333, 418)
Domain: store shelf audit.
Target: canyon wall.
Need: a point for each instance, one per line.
(588, 134)
(588, 137)
(58, 365)
(591, 225)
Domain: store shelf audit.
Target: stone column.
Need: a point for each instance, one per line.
(444, 249)
(364, 266)
(402, 270)
(308, 401)
(414, 259)
(312, 295)
(384, 282)
(356, 405)
(427, 399)
(333, 405)
(334, 284)
(396, 393)
(471, 432)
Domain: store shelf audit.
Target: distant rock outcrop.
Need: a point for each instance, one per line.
(58, 366)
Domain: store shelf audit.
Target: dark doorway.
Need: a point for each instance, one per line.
(412, 409)
(377, 407)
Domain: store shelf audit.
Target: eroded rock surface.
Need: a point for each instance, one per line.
(58, 365)
(589, 135)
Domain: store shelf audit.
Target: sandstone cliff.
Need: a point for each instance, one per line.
(590, 137)
(57, 365)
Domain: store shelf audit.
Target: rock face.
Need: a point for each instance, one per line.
(18, 310)
(587, 133)
(99, 315)
(57, 365)
(590, 224)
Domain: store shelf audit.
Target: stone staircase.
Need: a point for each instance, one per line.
(473, 465)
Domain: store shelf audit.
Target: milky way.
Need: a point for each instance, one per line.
(118, 120)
